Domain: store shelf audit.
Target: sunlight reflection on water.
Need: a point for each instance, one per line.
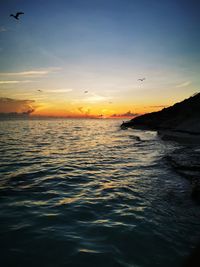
(86, 193)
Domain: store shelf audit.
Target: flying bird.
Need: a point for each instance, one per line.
(85, 92)
(16, 16)
(39, 90)
(142, 79)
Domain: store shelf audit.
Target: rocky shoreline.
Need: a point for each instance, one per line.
(179, 136)
(181, 117)
(185, 161)
(180, 123)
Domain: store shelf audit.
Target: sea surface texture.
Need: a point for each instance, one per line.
(86, 193)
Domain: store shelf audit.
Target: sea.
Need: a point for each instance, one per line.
(84, 192)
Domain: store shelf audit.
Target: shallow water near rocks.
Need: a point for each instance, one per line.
(86, 193)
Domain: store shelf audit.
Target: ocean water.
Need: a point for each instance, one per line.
(86, 193)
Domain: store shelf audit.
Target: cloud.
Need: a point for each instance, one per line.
(161, 106)
(3, 29)
(8, 105)
(26, 73)
(94, 98)
(60, 90)
(184, 84)
(31, 73)
(80, 109)
(85, 111)
(13, 82)
(89, 99)
(126, 114)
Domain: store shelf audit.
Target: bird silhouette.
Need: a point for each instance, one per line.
(39, 90)
(85, 92)
(16, 16)
(142, 79)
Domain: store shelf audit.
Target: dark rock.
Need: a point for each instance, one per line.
(181, 117)
(185, 161)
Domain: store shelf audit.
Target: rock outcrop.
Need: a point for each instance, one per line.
(183, 117)
(180, 122)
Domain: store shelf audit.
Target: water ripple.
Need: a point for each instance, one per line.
(85, 193)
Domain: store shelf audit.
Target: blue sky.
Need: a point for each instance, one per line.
(104, 46)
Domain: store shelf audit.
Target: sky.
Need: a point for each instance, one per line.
(84, 57)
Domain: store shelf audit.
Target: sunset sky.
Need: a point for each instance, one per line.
(60, 49)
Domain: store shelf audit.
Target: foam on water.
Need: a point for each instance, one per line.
(85, 193)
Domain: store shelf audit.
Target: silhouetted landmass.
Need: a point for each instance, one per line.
(15, 115)
(182, 117)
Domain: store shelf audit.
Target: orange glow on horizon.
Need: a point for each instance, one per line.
(78, 109)
(115, 111)
(79, 116)
(121, 112)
